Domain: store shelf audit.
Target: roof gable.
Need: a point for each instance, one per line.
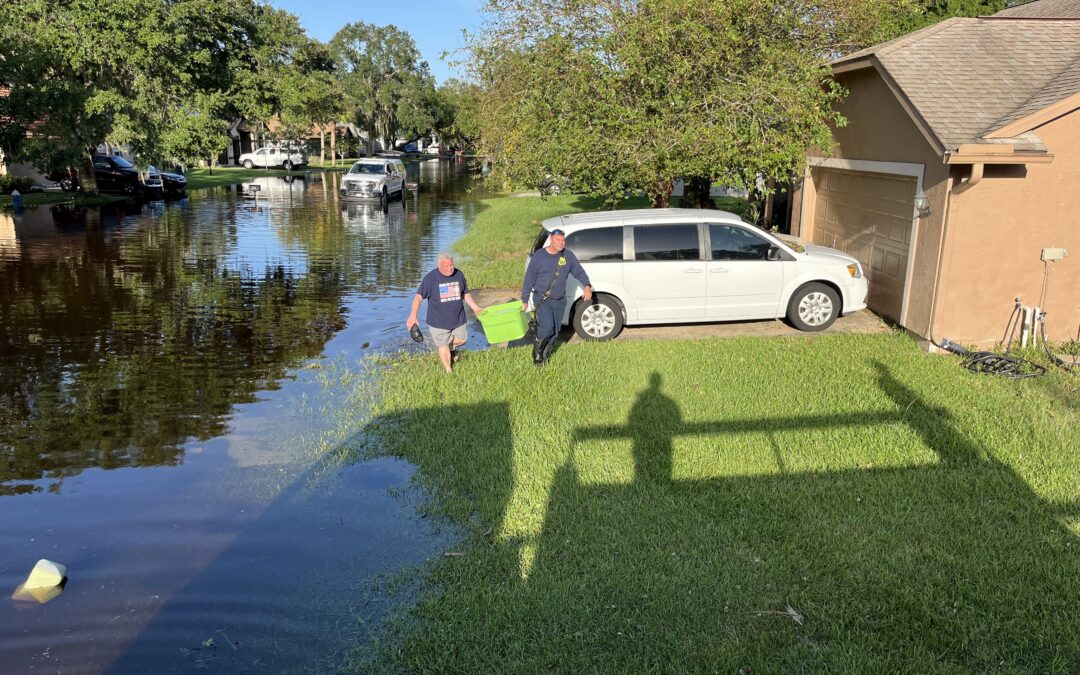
(967, 78)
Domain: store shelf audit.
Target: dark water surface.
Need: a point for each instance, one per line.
(167, 376)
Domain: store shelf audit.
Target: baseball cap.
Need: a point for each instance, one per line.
(557, 231)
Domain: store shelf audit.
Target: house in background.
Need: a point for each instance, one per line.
(977, 123)
(248, 136)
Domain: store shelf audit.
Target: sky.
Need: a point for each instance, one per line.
(435, 25)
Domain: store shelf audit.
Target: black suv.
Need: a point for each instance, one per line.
(114, 174)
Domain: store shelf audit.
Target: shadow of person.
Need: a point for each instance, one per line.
(653, 422)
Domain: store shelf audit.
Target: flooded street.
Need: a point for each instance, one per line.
(167, 389)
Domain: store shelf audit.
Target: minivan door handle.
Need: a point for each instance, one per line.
(692, 270)
(718, 270)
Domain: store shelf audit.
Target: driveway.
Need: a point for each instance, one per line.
(858, 322)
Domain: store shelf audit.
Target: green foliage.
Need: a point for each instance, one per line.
(388, 87)
(20, 183)
(153, 74)
(458, 113)
(198, 131)
(929, 12)
(629, 96)
(309, 99)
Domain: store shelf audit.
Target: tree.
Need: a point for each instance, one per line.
(457, 113)
(198, 131)
(929, 12)
(311, 100)
(621, 96)
(131, 72)
(387, 85)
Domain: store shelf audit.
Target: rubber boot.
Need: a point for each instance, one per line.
(539, 347)
(548, 348)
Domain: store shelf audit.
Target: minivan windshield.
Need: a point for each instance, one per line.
(368, 168)
(121, 162)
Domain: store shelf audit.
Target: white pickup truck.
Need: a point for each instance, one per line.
(271, 157)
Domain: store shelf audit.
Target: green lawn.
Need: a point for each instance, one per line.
(231, 175)
(659, 507)
(492, 253)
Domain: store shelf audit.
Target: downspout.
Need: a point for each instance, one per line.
(952, 188)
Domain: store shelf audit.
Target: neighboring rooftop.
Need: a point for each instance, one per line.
(967, 78)
(1043, 9)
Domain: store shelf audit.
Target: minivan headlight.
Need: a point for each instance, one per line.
(855, 270)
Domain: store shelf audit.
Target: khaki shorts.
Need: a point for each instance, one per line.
(441, 336)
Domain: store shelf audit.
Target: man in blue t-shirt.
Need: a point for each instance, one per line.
(545, 282)
(447, 294)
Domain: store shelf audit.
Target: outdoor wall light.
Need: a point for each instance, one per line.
(922, 204)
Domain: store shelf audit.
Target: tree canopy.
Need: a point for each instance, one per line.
(156, 75)
(630, 95)
(388, 86)
(617, 96)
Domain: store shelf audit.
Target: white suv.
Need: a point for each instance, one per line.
(654, 266)
(374, 178)
(270, 156)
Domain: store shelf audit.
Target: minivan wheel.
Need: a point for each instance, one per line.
(67, 184)
(813, 307)
(287, 165)
(598, 320)
(248, 164)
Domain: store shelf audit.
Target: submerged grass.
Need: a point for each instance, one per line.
(493, 250)
(843, 503)
(44, 198)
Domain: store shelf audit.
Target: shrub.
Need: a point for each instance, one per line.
(20, 183)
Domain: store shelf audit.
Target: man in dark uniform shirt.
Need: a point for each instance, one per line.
(549, 268)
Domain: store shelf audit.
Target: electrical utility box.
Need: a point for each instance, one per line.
(1053, 254)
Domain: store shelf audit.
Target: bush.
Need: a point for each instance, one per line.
(20, 183)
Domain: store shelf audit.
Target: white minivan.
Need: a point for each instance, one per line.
(657, 266)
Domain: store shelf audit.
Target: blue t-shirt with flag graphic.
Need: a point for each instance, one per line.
(445, 296)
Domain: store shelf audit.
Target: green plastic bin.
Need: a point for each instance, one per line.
(503, 323)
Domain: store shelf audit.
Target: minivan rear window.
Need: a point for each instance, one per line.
(666, 242)
(601, 243)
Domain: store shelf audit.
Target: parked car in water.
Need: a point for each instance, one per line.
(171, 183)
(656, 266)
(113, 173)
(272, 156)
(374, 178)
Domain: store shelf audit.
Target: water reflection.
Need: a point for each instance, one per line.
(127, 330)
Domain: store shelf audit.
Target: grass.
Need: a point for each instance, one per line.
(229, 175)
(492, 253)
(842, 503)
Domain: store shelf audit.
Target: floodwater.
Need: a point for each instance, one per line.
(168, 383)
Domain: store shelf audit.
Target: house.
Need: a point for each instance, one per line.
(248, 136)
(957, 173)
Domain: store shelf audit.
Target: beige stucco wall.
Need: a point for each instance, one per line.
(996, 231)
(879, 129)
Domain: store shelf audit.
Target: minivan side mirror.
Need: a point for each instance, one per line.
(773, 254)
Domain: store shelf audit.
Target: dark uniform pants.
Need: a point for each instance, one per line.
(549, 318)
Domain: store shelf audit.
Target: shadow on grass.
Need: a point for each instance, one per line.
(948, 561)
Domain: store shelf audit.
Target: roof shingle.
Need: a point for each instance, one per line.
(1044, 9)
(968, 77)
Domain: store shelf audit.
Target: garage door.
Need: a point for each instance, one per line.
(868, 216)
